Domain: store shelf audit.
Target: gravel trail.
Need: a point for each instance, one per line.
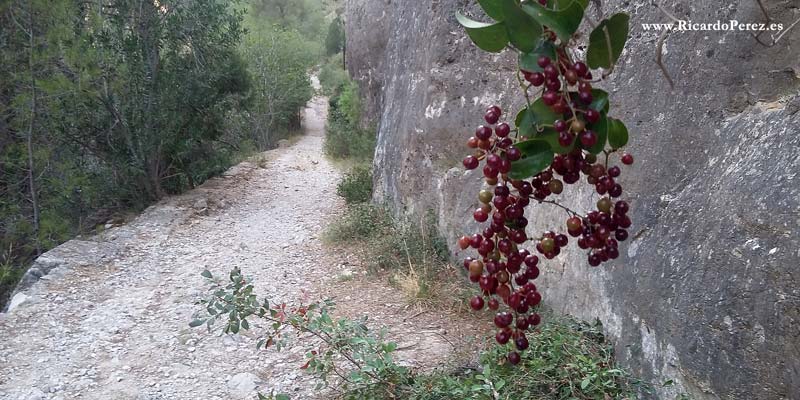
(110, 320)
(109, 317)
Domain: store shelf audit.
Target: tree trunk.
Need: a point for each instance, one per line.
(31, 127)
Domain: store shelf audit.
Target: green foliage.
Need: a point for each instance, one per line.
(607, 41)
(411, 243)
(114, 105)
(345, 138)
(519, 26)
(356, 185)
(334, 41)
(332, 77)
(359, 222)
(343, 349)
(278, 61)
(304, 16)
(568, 359)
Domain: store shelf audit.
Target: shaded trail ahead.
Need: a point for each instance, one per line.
(110, 320)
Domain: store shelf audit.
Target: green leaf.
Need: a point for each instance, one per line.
(585, 383)
(282, 397)
(550, 136)
(600, 100)
(488, 37)
(529, 61)
(617, 133)
(563, 22)
(245, 324)
(525, 122)
(493, 8)
(196, 323)
(601, 129)
(598, 54)
(523, 31)
(543, 114)
(529, 119)
(206, 274)
(537, 155)
(390, 347)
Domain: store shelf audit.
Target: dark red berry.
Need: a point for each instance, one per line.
(521, 343)
(536, 79)
(503, 336)
(551, 72)
(585, 97)
(627, 159)
(549, 98)
(483, 132)
(480, 215)
(544, 61)
(580, 68)
(476, 303)
(502, 130)
(513, 154)
(592, 116)
(621, 207)
(588, 138)
(470, 162)
(491, 117)
(514, 357)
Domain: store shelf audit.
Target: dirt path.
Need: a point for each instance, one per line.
(110, 319)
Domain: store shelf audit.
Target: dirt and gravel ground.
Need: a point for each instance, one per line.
(110, 320)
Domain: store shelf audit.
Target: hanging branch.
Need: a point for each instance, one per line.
(660, 46)
(769, 20)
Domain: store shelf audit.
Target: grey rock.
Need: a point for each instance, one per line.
(243, 385)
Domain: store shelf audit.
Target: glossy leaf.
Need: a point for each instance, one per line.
(528, 61)
(543, 114)
(488, 37)
(523, 31)
(493, 8)
(525, 123)
(617, 133)
(537, 155)
(600, 100)
(598, 54)
(550, 136)
(563, 22)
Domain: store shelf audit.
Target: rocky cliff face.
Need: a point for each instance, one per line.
(707, 293)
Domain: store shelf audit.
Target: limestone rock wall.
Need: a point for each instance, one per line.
(707, 293)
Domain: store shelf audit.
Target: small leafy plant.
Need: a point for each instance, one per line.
(563, 134)
(341, 349)
(356, 185)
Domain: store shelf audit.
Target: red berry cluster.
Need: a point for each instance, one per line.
(504, 270)
(560, 138)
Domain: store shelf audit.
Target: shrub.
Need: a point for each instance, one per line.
(345, 137)
(569, 359)
(360, 222)
(356, 185)
(332, 76)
